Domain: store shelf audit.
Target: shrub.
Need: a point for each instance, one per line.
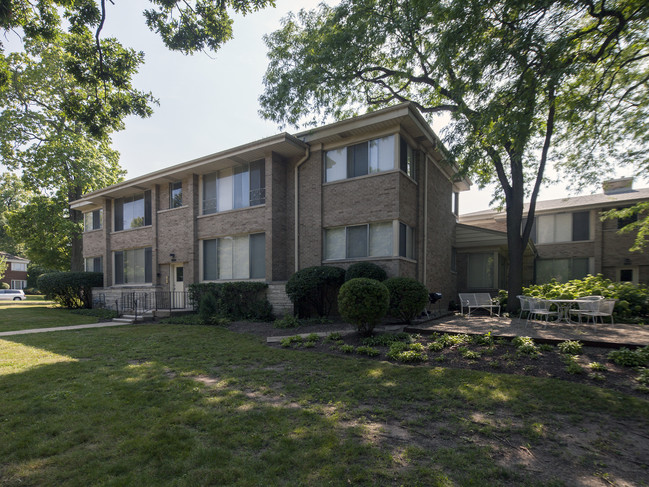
(208, 309)
(104, 314)
(70, 289)
(235, 300)
(365, 350)
(525, 346)
(363, 302)
(570, 347)
(365, 269)
(385, 339)
(630, 358)
(408, 297)
(316, 288)
(407, 352)
(289, 321)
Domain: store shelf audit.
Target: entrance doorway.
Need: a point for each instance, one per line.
(177, 286)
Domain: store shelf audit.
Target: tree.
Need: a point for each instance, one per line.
(3, 266)
(13, 195)
(60, 158)
(518, 78)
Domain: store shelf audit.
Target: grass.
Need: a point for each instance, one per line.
(28, 314)
(194, 405)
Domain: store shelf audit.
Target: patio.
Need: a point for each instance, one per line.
(602, 335)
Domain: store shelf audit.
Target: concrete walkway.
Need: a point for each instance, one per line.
(62, 328)
(603, 335)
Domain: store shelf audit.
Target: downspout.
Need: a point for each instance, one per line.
(297, 213)
(425, 218)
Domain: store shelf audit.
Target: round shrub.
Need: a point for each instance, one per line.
(408, 297)
(363, 302)
(365, 269)
(70, 289)
(315, 287)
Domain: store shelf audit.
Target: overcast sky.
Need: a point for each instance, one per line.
(209, 104)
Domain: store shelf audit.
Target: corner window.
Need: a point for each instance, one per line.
(406, 158)
(234, 187)
(133, 211)
(357, 241)
(235, 257)
(406, 241)
(94, 264)
(175, 195)
(133, 266)
(368, 157)
(93, 220)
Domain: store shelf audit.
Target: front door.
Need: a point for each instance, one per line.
(177, 286)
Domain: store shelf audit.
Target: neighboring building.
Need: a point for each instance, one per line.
(569, 241)
(373, 188)
(16, 274)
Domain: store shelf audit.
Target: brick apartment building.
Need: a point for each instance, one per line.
(373, 188)
(569, 240)
(16, 273)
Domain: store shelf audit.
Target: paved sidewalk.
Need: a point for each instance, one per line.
(62, 328)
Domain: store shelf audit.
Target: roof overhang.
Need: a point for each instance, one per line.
(469, 237)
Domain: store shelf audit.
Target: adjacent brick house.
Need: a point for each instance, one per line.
(376, 187)
(569, 241)
(16, 273)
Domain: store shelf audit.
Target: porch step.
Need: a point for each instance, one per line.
(129, 321)
(131, 318)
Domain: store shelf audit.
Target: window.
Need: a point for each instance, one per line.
(368, 240)
(236, 257)
(133, 211)
(175, 194)
(133, 266)
(93, 220)
(94, 264)
(627, 220)
(562, 227)
(369, 157)
(18, 284)
(561, 269)
(234, 187)
(626, 275)
(455, 203)
(480, 271)
(406, 158)
(19, 266)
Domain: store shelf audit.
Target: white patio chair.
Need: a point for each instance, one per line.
(604, 308)
(525, 306)
(541, 308)
(586, 304)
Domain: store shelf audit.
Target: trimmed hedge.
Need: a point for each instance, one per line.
(235, 300)
(315, 288)
(408, 297)
(70, 289)
(363, 302)
(365, 269)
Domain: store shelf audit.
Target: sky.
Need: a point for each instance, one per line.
(209, 103)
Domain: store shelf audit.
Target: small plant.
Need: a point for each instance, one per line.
(369, 351)
(630, 358)
(334, 337)
(309, 344)
(451, 340)
(385, 339)
(596, 376)
(570, 347)
(525, 346)
(494, 364)
(347, 348)
(572, 367)
(470, 355)
(545, 347)
(407, 352)
(288, 321)
(312, 337)
(290, 341)
(597, 367)
(643, 378)
(436, 346)
(486, 339)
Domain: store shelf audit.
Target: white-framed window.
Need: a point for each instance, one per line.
(175, 194)
(561, 227)
(234, 187)
(133, 266)
(407, 159)
(18, 284)
(369, 157)
(627, 274)
(19, 267)
(93, 220)
(133, 211)
(368, 240)
(234, 257)
(94, 264)
(562, 270)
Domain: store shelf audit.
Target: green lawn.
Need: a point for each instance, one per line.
(179, 405)
(38, 313)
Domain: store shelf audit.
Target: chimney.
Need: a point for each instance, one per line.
(613, 186)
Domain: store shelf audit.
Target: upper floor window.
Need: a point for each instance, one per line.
(406, 158)
(133, 266)
(93, 220)
(133, 211)
(356, 160)
(562, 227)
(235, 257)
(234, 187)
(175, 195)
(94, 264)
(19, 266)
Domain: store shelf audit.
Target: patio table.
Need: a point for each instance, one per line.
(564, 306)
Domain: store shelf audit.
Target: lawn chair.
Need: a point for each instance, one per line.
(478, 300)
(541, 308)
(586, 304)
(604, 308)
(526, 305)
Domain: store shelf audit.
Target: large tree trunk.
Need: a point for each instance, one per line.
(515, 200)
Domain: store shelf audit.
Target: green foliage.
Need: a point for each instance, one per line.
(13, 194)
(104, 314)
(71, 289)
(365, 269)
(34, 271)
(386, 339)
(4, 285)
(208, 308)
(630, 358)
(347, 348)
(486, 339)
(366, 350)
(570, 347)
(640, 225)
(3, 266)
(288, 321)
(363, 302)
(315, 287)
(632, 300)
(643, 377)
(408, 297)
(525, 346)
(572, 367)
(235, 300)
(407, 352)
(598, 367)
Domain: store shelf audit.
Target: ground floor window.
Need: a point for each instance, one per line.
(235, 257)
(94, 264)
(562, 270)
(481, 270)
(18, 284)
(369, 240)
(133, 266)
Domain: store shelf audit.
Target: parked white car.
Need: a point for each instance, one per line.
(12, 294)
